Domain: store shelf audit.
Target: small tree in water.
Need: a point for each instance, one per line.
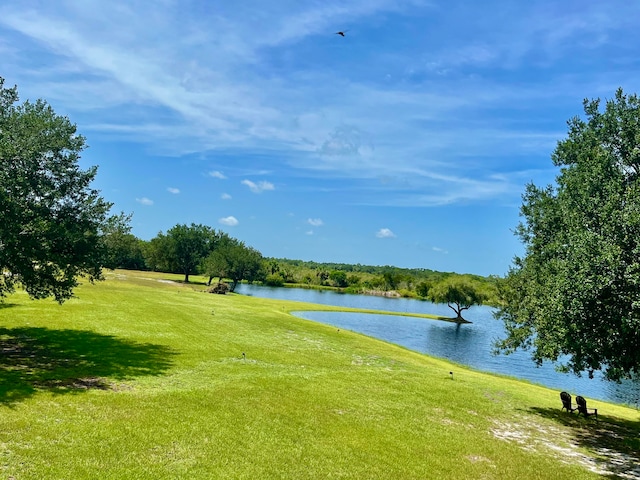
(458, 294)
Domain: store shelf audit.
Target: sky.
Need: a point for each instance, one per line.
(407, 142)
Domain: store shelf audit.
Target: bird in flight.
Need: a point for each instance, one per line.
(341, 33)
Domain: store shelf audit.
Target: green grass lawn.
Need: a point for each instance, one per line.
(141, 378)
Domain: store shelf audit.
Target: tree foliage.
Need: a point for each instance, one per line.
(232, 259)
(339, 278)
(122, 248)
(422, 289)
(184, 247)
(51, 219)
(458, 294)
(574, 296)
(216, 264)
(274, 280)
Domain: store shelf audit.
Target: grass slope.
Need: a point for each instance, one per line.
(140, 378)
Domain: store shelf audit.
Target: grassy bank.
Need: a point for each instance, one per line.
(142, 378)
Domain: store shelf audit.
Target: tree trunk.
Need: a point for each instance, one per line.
(458, 309)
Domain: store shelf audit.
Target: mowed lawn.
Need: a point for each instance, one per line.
(143, 378)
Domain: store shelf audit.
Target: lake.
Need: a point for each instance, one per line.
(467, 344)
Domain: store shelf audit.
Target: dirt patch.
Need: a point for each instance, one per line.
(564, 444)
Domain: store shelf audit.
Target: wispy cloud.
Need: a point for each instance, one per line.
(173, 190)
(258, 187)
(385, 233)
(144, 201)
(229, 221)
(388, 116)
(315, 222)
(209, 83)
(238, 113)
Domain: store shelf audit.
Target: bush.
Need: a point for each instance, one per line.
(422, 289)
(220, 288)
(274, 280)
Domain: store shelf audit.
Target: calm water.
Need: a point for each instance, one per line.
(469, 344)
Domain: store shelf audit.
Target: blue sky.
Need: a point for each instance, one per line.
(406, 142)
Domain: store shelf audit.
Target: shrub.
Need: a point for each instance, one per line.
(220, 288)
(274, 280)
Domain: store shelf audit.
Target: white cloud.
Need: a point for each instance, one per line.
(144, 201)
(316, 222)
(385, 233)
(344, 140)
(309, 232)
(175, 191)
(258, 187)
(192, 84)
(229, 221)
(438, 249)
(225, 196)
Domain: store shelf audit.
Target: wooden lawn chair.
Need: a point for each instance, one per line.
(582, 407)
(566, 402)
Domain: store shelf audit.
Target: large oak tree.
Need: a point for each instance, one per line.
(183, 248)
(232, 259)
(574, 297)
(51, 219)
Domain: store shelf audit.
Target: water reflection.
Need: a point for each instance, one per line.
(469, 344)
(455, 341)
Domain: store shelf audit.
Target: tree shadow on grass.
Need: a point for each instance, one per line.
(614, 442)
(67, 361)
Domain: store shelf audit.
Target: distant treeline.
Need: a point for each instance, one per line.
(358, 278)
(199, 249)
